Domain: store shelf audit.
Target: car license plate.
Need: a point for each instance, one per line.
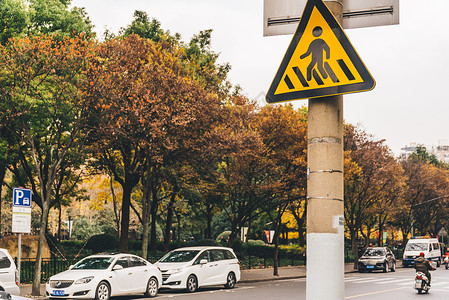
(370, 267)
(58, 293)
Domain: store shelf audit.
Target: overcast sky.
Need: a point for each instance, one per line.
(409, 61)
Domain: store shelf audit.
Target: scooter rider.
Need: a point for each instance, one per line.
(423, 265)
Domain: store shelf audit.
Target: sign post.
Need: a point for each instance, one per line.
(325, 206)
(321, 65)
(21, 218)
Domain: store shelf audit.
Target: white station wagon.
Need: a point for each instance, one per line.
(102, 276)
(193, 267)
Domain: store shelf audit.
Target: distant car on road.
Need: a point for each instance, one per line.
(102, 276)
(9, 276)
(194, 267)
(377, 258)
(429, 246)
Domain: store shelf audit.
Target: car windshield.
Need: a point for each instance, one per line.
(374, 252)
(417, 247)
(179, 256)
(93, 263)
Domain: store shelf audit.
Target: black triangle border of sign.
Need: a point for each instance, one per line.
(368, 81)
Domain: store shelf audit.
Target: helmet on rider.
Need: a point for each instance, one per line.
(421, 254)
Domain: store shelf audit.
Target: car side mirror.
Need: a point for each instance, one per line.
(117, 268)
(203, 261)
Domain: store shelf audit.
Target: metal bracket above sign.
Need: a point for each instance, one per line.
(282, 16)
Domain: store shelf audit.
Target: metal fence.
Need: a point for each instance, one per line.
(50, 266)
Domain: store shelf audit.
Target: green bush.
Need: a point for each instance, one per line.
(102, 243)
(258, 250)
(205, 242)
(223, 237)
(292, 249)
(256, 242)
(74, 248)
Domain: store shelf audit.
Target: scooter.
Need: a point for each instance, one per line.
(421, 282)
(446, 261)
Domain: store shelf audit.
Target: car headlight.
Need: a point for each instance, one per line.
(84, 280)
(175, 271)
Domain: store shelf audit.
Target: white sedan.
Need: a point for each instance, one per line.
(102, 276)
(193, 267)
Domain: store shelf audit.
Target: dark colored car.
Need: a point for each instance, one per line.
(377, 258)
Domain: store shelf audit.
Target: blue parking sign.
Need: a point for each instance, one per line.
(21, 197)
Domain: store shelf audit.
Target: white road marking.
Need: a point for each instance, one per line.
(204, 292)
(357, 279)
(396, 281)
(373, 280)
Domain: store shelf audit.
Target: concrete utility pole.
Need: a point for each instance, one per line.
(325, 193)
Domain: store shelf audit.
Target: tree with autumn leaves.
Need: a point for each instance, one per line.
(151, 116)
(43, 111)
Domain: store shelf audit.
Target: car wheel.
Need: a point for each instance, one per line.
(386, 268)
(192, 284)
(152, 287)
(393, 267)
(103, 291)
(230, 281)
(438, 263)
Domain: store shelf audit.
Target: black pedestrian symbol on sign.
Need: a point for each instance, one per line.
(316, 49)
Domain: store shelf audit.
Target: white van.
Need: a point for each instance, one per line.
(429, 246)
(8, 273)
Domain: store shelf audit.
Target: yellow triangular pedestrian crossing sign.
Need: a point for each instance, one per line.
(320, 60)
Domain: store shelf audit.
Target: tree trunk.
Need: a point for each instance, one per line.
(35, 291)
(146, 205)
(276, 250)
(124, 228)
(153, 211)
(208, 233)
(249, 229)
(168, 224)
(2, 177)
(368, 236)
(404, 237)
(114, 203)
(354, 247)
(59, 221)
(233, 235)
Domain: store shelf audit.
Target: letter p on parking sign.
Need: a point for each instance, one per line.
(21, 197)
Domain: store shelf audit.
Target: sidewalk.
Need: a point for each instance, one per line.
(255, 275)
(248, 276)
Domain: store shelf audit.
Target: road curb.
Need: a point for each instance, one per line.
(277, 278)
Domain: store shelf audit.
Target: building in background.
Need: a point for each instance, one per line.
(441, 151)
(408, 150)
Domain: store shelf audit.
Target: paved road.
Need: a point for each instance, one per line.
(394, 286)
(366, 286)
(358, 286)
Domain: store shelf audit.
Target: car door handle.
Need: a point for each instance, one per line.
(145, 270)
(130, 273)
